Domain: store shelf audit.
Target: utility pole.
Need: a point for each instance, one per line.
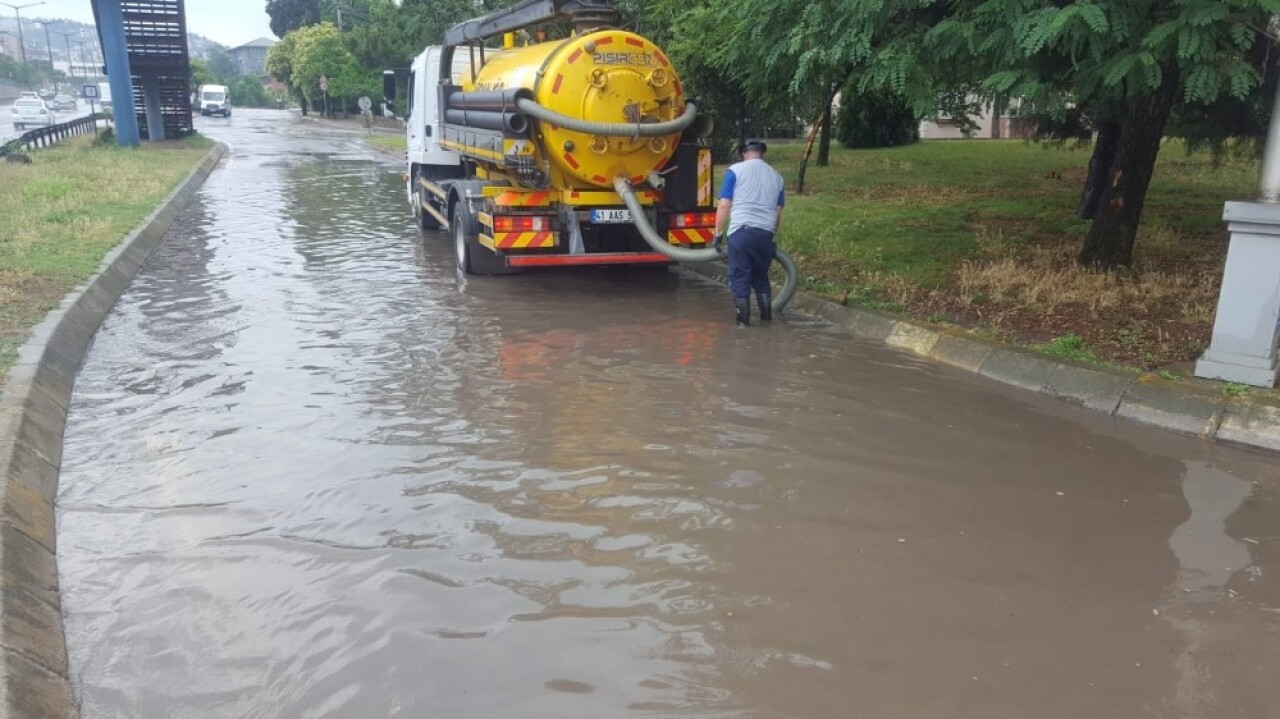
(47, 45)
(66, 39)
(17, 12)
(80, 54)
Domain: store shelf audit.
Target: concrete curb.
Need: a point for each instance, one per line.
(1186, 407)
(33, 411)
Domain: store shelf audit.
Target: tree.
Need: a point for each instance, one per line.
(247, 91)
(875, 119)
(289, 15)
(221, 66)
(1129, 63)
(200, 74)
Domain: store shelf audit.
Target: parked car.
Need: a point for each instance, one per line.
(64, 102)
(31, 111)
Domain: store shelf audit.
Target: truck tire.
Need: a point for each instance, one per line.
(461, 243)
(472, 257)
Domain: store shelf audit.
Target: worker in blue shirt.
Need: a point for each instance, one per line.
(750, 211)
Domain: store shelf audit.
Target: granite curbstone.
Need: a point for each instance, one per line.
(33, 411)
(1251, 425)
(27, 467)
(33, 628)
(962, 352)
(907, 336)
(26, 564)
(1096, 389)
(29, 690)
(1179, 409)
(1019, 368)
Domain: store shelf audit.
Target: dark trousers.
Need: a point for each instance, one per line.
(750, 252)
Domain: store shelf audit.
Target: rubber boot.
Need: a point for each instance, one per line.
(743, 306)
(765, 302)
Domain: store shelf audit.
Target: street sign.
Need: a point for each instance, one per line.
(89, 92)
(365, 103)
(324, 84)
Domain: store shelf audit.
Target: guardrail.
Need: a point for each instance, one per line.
(46, 136)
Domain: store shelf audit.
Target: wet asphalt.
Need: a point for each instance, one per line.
(312, 472)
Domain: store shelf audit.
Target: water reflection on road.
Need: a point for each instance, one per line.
(312, 473)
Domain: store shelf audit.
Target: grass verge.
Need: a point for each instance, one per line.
(390, 144)
(983, 235)
(61, 214)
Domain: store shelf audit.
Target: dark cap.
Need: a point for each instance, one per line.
(753, 146)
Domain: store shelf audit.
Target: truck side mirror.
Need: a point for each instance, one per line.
(389, 85)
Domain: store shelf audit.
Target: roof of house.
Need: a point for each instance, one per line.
(260, 42)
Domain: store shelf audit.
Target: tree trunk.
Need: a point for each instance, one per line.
(804, 157)
(1104, 156)
(824, 141)
(824, 137)
(1110, 240)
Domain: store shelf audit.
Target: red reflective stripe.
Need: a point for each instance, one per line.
(604, 40)
(539, 239)
(597, 178)
(661, 58)
(575, 55)
(635, 41)
(569, 159)
(603, 258)
(555, 86)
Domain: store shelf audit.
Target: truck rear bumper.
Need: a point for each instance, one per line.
(599, 258)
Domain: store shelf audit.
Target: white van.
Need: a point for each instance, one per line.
(213, 100)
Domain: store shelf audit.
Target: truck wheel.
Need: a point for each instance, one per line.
(474, 258)
(461, 243)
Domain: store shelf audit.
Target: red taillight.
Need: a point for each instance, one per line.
(521, 223)
(694, 219)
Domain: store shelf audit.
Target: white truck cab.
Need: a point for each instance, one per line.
(422, 108)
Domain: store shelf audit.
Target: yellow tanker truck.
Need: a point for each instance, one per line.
(582, 150)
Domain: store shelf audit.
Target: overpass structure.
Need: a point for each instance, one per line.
(144, 43)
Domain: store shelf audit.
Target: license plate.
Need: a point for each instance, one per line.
(610, 216)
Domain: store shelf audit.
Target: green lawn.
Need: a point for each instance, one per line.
(61, 214)
(391, 144)
(982, 234)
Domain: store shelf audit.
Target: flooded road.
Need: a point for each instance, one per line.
(311, 473)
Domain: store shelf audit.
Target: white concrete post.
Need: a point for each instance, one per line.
(1247, 327)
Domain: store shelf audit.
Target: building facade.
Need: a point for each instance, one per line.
(251, 57)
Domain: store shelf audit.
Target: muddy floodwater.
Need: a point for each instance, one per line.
(312, 473)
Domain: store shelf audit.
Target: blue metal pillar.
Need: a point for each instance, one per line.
(151, 103)
(116, 55)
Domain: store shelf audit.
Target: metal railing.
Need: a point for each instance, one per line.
(51, 134)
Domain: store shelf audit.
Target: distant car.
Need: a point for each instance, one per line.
(64, 102)
(47, 94)
(213, 100)
(29, 93)
(31, 111)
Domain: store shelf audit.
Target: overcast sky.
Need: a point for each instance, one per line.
(230, 22)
